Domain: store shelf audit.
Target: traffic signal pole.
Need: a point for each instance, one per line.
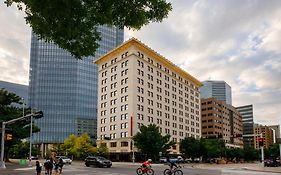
(2, 163)
(36, 115)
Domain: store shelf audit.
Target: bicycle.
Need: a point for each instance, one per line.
(175, 171)
(144, 170)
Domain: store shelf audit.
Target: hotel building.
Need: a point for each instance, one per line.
(137, 86)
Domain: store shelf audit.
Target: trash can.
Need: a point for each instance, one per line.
(22, 162)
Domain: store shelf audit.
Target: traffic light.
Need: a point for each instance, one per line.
(38, 115)
(9, 136)
(260, 142)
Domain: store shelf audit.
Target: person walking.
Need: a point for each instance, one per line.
(38, 168)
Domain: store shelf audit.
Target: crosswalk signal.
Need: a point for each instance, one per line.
(9, 137)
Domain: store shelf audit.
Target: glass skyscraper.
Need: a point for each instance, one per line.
(217, 89)
(65, 89)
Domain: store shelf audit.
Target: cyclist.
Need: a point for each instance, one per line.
(171, 163)
(146, 164)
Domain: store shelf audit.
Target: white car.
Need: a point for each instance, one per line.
(65, 159)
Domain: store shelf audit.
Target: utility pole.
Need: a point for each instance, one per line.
(30, 142)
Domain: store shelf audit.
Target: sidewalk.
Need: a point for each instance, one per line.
(245, 166)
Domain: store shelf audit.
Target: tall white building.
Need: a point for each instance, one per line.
(137, 86)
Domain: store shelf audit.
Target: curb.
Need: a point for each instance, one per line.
(267, 171)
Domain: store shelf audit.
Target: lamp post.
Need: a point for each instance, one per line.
(30, 140)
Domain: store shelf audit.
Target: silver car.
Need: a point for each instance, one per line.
(65, 159)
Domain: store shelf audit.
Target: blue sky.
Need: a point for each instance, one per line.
(235, 41)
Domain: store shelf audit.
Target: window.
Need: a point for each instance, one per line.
(113, 144)
(124, 107)
(113, 60)
(124, 116)
(124, 64)
(124, 144)
(124, 134)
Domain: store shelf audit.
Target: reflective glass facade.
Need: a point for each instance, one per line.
(217, 89)
(64, 88)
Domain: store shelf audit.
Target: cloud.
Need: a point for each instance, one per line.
(14, 45)
(236, 41)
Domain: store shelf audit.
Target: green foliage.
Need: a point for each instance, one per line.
(81, 147)
(11, 108)
(272, 151)
(235, 153)
(72, 24)
(250, 154)
(213, 148)
(191, 147)
(150, 141)
(21, 151)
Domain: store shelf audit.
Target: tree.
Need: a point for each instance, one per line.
(72, 24)
(150, 141)
(272, 151)
(214, 148)
(80, 146)
(21, 150)
(250, 154)
(10, 108)
(190, 147)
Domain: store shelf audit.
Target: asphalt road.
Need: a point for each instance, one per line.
(125, 169)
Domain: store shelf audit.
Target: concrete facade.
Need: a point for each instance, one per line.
(222, 121)
(267, 135)
(137, 86)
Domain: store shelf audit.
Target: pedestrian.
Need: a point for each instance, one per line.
(38, 168)
(48, 165)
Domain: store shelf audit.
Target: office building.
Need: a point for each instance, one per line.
(19, 89)
(248, 124)
(217, 89)
(264, 132)
(65, 88)
(220, 120)
(137, 86)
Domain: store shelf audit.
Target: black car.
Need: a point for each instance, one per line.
(271, 163)
(97, 161)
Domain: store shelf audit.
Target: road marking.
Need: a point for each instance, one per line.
(24, 169)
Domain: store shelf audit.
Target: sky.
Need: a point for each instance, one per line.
(237, 41)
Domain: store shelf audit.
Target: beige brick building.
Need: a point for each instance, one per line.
(137, 86)
(221, 120)
(267, 135)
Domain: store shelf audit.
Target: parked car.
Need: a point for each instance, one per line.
(188, 160)
(33, 158)
(196, 160)
(163, 160)
(65, 159)
(180, 159)
(271, 163)
(97, 161)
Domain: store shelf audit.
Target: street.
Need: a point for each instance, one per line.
(78, 168)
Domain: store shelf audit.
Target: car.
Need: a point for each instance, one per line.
(180, 159)
(65, 159)
(97, 161)
(34, 158)
(196, 160)
(188, 160)
(163, 160)
(271, 163)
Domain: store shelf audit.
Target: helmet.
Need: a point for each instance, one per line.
(149, 160)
